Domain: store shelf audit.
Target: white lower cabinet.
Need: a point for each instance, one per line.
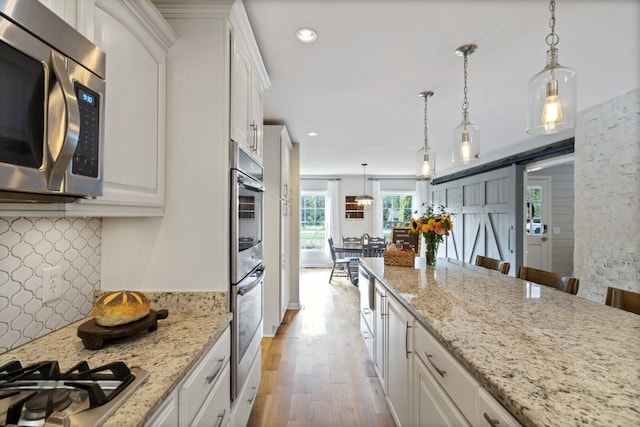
(243, 404)
(423, 383)
(203, 397)
(399, 365)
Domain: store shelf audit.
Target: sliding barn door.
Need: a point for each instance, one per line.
(487, 218)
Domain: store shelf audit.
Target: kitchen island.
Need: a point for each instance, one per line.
(549, 358)
(196, 320)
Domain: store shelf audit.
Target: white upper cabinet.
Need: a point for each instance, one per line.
(248, 82)
(135, 38)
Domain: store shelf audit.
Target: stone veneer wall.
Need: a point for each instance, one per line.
(607, 203)
(27, 245)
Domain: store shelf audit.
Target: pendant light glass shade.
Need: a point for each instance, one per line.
(552, 92)
(364, 199)
(426, 159)
(466, 142)
(466, 137)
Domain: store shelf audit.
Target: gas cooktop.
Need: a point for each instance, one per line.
(41, 395)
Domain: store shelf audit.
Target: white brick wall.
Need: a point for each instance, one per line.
(607, 203)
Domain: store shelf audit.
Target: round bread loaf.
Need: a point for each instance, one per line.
(119, 308)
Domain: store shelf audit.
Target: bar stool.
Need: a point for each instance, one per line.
(493, 264)
(624, 300)
(562, 283)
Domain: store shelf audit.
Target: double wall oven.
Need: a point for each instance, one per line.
(247, 268)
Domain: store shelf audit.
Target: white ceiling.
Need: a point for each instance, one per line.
(358, 84)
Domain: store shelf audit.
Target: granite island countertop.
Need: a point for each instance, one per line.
(550, 358)
(196, 320)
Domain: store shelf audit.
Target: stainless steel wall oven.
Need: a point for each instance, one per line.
(247, 269)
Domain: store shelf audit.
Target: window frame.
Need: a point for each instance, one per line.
(315, 193)
(392, 193)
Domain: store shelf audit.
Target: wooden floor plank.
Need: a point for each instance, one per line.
(316, 369)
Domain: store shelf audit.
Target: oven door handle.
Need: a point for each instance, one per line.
(250, 183)
(246, 288)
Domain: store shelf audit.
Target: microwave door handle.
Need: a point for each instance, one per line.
(246, 288)
(63, 148)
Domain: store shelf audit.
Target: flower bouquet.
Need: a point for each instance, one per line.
(434, 224)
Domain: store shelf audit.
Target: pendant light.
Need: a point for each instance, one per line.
(552, 92)
(426, 157)
(364, 200)
(466, 143)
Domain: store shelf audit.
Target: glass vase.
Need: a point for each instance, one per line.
(430, 250)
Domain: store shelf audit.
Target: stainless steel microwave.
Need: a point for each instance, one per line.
(52, 97)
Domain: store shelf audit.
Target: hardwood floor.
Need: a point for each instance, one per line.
(316, 370)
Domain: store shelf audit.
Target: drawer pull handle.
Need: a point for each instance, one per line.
(382, 305)
(221, 418)
(492, 422)
(365, 335)
(253, 395)
(440, 372)
(211, 378)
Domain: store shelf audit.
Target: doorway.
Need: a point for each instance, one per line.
(548, 215)
(538, 217)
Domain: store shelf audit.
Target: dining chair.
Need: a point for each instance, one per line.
(493, 264)
(563, 283)
(346, 241)
(342, 260)
(374, 249)
(623, 299)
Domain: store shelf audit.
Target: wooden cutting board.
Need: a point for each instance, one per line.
(94, 336)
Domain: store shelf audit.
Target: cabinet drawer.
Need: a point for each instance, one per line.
(434, 408)
(216, 408)
(199, 383)
(490, 413)
(367, 336)
(244, 402)
(454, 379)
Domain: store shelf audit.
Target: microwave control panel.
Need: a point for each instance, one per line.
(86, 158)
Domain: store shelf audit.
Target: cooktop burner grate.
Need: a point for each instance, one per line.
(40, 394)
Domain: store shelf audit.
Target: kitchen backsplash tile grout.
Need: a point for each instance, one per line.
(27, 245)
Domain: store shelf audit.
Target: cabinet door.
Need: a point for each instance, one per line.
(491, 414)
(399, 360)
(134, 126)
(380, 331)
(433, 408)
(216, 409)
(240, 93)
(285, 221)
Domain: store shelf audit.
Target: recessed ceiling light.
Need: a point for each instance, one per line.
(313, 133)
(306, 35)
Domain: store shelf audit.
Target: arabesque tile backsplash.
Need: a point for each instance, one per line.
(27, 245)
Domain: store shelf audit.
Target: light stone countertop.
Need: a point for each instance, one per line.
(550, 358)
(196, 320)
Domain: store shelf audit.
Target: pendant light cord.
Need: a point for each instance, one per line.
(552, 38)
(426, 138)
(465, 102)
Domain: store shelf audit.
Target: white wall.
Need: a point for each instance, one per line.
(188, 248)
(350, 185)
(607, 202)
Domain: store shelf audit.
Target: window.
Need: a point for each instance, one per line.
(397, 209)
(312, 222)
(534, 209)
